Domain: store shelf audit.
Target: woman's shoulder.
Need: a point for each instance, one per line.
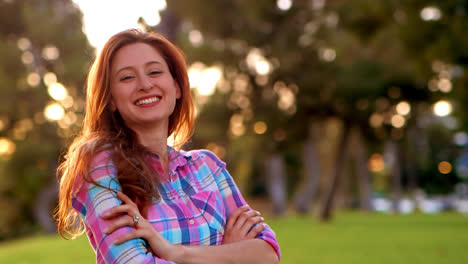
(101, 157)
(99, 168)
(196, 154)
(202, 157)
(97, 162)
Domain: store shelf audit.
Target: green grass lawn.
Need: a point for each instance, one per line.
(349, 238)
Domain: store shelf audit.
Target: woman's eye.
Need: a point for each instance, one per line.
(125, 78)
(154, 72)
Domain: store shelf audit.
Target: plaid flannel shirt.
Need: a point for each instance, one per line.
(195, 204)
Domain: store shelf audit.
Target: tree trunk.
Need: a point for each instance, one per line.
(311, 171)
(44, 207)
(393, 159)
(361, 157)
(45, 202)
(337, 171)
(410, 157)
(276, 173)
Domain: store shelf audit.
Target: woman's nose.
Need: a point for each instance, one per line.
(145, 83)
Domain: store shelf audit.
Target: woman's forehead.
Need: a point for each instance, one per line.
(136, 54)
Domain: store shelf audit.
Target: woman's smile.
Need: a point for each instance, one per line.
(147, 101)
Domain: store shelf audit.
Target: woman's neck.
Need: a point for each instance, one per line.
(155, 140)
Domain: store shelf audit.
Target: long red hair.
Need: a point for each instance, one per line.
(104, 128)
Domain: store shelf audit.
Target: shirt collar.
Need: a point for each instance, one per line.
(177, 158)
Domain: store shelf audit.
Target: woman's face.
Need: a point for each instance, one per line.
(142, 87)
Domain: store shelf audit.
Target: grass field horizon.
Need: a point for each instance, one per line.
(351, 237)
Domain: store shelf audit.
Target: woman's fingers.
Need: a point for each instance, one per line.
(117, 211)
(244, 218)
(250, 223)
(118, 223)
(128, 207)
(125, 198)
(235, 215)
(243, 223)
(256, 230)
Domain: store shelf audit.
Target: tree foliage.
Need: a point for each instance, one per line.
(41, 45)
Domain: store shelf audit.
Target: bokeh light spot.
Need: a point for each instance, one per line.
(33, 79)
(442, 108)
(7, 147)
(429, 13)
(444, 167)
(57, 91)
(398, 121)
(54, 112)
(376, 162)
(260, 127)
(49, 78)
(284, 4)
(403, 108)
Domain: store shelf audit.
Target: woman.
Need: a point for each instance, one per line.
(137, 199)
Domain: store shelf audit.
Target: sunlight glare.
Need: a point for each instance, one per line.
(209, 79)
(194, 72)
(102, 19)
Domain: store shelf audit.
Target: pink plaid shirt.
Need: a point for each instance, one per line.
(195, 204)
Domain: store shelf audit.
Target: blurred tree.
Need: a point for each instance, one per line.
(298, 63)
(43, 59)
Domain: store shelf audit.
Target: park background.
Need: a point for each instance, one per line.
(344, 122)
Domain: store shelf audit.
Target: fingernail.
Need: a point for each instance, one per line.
(261, 218)
(106, 230)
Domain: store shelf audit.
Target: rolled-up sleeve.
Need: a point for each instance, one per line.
(232, 197)
(91, 201)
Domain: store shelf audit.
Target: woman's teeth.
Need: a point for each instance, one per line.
(147, 101)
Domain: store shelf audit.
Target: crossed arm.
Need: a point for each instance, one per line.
(122, 243)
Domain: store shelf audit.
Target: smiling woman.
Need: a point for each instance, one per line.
(138, 199)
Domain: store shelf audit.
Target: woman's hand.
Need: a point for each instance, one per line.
(244, 223)
(123, 215)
